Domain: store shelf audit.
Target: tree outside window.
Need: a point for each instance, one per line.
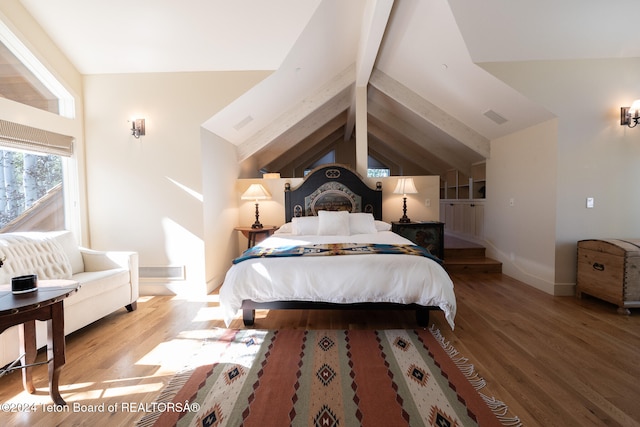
(25, 180)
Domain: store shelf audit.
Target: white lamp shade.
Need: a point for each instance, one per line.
(256, 192)
(635, 108)
(405, 186)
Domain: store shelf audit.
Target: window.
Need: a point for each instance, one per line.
(31, 191)
(24, 79)
(32, 161)
(376, 169)
(378, 173)
(330, 157)
(31, 178)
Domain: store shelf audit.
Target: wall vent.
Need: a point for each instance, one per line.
(167, 272)
(243, 123)
(497, 118)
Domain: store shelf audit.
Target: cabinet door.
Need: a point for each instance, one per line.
(469, 221)
(479, 221)
(474, 219)
(458, 217)
(448, 216)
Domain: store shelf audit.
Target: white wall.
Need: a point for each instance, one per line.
(147, 194)
(219, 170)
(595, 156)
(521, 235)
(428, 188)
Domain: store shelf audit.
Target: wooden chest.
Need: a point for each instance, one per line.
(610, 270)
(428, 234)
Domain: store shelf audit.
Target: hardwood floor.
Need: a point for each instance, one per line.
(556, 361)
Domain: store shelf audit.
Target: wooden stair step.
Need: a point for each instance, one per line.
(475, 252)
(453, 242)
(472, 265)
(461, 256)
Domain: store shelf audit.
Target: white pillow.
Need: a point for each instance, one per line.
(286, 228)
(333, 223)
(361, 223)
(305, 225)
(382, 226)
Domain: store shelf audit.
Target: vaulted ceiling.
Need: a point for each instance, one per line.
(430, 102)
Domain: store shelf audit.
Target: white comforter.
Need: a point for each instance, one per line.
(403, 279)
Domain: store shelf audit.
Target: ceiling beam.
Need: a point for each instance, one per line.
(374, 24)
(431, 113)
(303, 129)
(330, 94)
(326, 131)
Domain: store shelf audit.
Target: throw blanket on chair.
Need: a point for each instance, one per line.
(325, 249)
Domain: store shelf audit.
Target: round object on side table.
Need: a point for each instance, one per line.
(24, 284)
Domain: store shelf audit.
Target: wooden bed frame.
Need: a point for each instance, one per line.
(332, 187)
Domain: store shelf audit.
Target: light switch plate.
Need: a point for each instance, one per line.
(590, 202)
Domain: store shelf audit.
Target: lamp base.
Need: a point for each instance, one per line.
(404, 218)
(257, 223)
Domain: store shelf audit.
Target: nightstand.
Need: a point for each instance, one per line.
(252, 233)
(428, 234)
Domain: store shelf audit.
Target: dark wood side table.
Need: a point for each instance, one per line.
(45, 304)
(253, 233)
(428, 234)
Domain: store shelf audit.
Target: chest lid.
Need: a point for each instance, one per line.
(619, 247)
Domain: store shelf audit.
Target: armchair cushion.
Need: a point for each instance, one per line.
(99, 260)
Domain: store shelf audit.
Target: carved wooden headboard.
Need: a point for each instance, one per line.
(332, 187)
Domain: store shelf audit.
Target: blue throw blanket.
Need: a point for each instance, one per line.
(325, 249)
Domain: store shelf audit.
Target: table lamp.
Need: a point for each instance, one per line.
(256, 192)
(405, 186)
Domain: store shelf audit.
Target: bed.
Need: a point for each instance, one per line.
(335, 252)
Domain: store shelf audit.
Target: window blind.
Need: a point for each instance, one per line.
(21, 137)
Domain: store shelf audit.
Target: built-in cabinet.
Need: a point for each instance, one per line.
(478, 180)
(463, 217)
(462, 201)
(457, 185)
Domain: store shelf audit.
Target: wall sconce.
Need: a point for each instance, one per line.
(630, 116)
(137, 127)
(256, 192)
(405, 186)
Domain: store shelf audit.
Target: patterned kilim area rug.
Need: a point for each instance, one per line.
(327, 378)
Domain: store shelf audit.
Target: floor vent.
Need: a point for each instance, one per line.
(169, 272)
